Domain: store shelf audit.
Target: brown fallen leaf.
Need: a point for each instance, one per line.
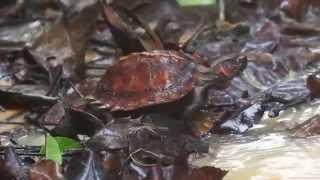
(299, 29)
(313, 84)
(297, 8)
(45, 170)
(184, 171)
(311, 127)
(180, 170)
(207, 173)
(111, 165)
(64, 43)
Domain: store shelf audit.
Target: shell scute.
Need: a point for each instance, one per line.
(144, 79)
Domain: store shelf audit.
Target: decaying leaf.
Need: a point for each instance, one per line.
(45, 170)
(310, 127)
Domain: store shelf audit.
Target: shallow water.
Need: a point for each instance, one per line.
(268, 151)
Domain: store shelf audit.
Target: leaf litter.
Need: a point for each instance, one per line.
(64, 63)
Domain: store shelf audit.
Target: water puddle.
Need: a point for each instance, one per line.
(268, 151)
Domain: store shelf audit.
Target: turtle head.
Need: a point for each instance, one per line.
(231, 67)
(222, 71)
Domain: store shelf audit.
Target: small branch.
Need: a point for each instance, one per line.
(222, 10)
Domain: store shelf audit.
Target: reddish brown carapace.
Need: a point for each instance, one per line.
(144, 79)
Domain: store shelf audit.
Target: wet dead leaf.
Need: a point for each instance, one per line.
(45, 170)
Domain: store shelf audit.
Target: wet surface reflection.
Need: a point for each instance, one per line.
(268, 151)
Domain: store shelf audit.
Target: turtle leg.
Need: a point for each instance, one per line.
(196, 102)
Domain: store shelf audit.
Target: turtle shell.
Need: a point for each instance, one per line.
(144, 79)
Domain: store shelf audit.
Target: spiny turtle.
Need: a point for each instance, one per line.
(152, 78)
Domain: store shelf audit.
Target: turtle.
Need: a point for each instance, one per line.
(144, 79)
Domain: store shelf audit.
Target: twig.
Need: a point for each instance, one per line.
(222, 10)
(76, 89)
(131, 155)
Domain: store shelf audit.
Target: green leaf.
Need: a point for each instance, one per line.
(196, 2)
(67, 143)
(56, 146)
(52, 150)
